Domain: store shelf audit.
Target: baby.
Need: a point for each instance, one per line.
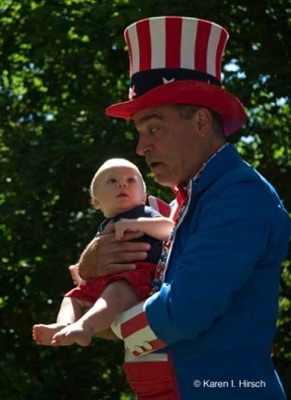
(119, 191)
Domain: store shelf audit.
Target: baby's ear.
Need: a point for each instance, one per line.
(95, 203)
(144, 199)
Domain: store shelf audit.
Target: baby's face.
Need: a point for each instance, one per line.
(117, 190)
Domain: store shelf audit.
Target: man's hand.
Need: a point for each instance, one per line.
(105, 255)
(74, 271)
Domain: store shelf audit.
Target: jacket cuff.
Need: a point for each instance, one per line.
(132, 327)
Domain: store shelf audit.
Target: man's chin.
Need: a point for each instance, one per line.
(164, 181)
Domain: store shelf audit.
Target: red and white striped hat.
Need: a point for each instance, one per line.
(177, 60)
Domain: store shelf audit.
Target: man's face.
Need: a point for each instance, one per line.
(170, 144)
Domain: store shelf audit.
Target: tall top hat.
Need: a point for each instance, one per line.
(177, 60)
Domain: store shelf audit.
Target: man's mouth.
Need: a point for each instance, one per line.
(155, 164)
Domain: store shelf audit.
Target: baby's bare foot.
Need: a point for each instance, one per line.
(43, 334)
(74, 333)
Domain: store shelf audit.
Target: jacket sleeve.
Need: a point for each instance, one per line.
(237, 230)
(240, 230)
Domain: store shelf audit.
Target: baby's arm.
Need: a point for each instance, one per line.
(159, 228)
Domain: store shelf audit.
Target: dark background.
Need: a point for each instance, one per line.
(62, 63)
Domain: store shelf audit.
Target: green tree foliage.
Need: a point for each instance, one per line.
(62, 62)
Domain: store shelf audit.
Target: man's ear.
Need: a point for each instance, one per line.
(203, 120)
(95, 203)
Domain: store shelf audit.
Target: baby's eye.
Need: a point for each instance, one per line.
(111, 180)
(131, 180)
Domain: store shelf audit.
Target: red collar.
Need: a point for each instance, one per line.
(181, 192)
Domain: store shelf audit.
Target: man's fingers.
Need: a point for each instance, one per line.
(126, 258)
(127, 247)
(131, 235)
(105, 255)
(112, 269)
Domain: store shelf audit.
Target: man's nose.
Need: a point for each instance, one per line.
(143, 145)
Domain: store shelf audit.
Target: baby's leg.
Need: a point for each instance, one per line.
(117, 297)
(70, 311)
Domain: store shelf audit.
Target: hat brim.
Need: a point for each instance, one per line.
(186, 92)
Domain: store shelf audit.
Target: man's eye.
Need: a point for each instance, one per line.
(152, 130)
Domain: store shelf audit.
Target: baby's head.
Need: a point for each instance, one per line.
(117, 187)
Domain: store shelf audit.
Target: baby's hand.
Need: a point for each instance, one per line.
(125, 225)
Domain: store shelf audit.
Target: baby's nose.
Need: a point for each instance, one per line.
(122, 183)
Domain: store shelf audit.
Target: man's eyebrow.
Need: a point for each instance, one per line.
(147, 118)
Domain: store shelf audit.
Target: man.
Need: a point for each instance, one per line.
(206, 331)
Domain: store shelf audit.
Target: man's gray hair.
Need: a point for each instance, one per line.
(186, 111)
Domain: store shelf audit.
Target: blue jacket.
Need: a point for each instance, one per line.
(218, 306)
